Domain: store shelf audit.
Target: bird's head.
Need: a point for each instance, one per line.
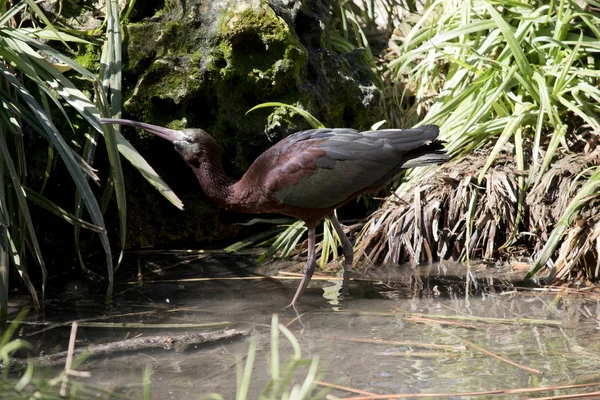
(192, 144)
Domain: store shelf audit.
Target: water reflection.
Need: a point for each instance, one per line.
(402, 330)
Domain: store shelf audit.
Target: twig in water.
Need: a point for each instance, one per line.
(590, 395)
(523, 321)
(52, 325)
(64, 377)
(473, 394)
(414, 318)
(396, 343)
(489, 353)
(344, 388)
(420, 354)
(140, 325)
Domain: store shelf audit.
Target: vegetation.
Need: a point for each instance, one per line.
(35, 383)
(514, 88)
(282, 384)
(70, 383)
(515, 85)
(38, 87)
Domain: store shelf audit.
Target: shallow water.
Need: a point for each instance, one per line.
(556, 335)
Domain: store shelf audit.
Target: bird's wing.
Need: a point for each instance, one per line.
(324, 167)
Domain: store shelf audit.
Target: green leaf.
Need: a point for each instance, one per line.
(49, 34)
(24, 209)
(89, 111)
(111, 71)
(315, 123)
(515, 47)
(66, 155)
(50, 206)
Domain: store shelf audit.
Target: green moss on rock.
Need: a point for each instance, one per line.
(88, 56)
(205, 64)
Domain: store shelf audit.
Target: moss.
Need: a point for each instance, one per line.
(260, 42)
(88, 56)
(247, 57)
(284, 117)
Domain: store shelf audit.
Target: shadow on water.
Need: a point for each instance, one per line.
(402, 330)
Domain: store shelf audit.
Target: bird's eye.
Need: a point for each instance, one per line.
(178, 146)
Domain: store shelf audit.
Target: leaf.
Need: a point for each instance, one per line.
(378, 125)
(315, 123)
(24, 210)
(111, 72)
(511, 40)
(49, 34)
(66, 155)
(91, 114)
(48, 205)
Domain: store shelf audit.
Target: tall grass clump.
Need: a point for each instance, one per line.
(514, 88)
(40, 84)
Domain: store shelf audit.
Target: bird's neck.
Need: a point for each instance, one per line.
(234, 195)
(217, 185)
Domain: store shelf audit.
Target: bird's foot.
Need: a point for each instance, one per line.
(291, 306)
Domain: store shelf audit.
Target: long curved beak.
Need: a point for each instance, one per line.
(169, 134)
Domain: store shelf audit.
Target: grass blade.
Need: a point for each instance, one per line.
(66, 155)
(244, 382)
(139, 163)
(89, 111)
(60, 212)
(112, 84)
(30, 231)
(315, 123)
(4, 247)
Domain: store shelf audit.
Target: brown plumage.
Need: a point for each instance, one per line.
(307, 175)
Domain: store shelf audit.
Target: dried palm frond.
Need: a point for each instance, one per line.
(549, 199)
(448, 214)
(428, 220)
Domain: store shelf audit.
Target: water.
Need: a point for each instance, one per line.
(411, 312)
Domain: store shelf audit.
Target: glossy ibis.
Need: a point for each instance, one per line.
(307, 175)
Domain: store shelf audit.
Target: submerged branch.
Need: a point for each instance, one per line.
(179, 343)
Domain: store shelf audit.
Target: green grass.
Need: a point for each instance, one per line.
(283, 382)
(38, 86)
(508, 76)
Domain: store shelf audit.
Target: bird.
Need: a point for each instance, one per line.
(307, 175)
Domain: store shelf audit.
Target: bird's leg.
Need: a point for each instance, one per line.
(348, 252)
(309, 268)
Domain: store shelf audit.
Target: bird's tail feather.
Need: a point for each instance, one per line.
(430, 154)
(426, 159)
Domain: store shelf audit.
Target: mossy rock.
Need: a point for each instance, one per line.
(205, 64)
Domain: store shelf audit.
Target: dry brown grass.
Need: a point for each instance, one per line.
(446, 214)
